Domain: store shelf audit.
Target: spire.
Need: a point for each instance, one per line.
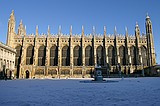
(37, 30)
(94, 31)
(82, 31)
(11, 23)
(126, 29)
(148, 24)
(48, 30)
(71, 30)
(12, 15)
(115, 31)
(137, 27)
(136, 24)
(21, 29)
(59, 30)
(147, 16)
(104, 31)
(11, 29)
(12, 12)
(21, 22)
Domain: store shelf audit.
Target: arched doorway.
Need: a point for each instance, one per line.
(27, 74)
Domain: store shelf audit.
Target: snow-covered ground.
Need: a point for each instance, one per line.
(70, 92)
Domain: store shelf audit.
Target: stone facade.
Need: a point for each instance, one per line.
(7, 61)
(59, 55)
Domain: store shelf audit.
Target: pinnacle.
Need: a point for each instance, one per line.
(21, 21)
(104, 27)
(71, 28)
(126, 29)
(136, 24)
(12, 15)
(36, 26)
(12, 12)
(82, 28)
(115, 30)
(48, 30)
(147, 16)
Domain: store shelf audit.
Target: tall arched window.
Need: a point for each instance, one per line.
(18, 59)
(41, 56)
(77, 56)
(122, 55)
(144, 55)
(29, 55)
(100, 55)
(88, 56)
(65, 56)
(54, 56)
(18, 55)
(133, 55)
(111, 55)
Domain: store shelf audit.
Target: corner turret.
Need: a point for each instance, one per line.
(11, 29)
(150, 42)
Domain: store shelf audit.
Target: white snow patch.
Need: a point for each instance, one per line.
(70, 92)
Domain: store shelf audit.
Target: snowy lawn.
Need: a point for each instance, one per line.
(70, 92)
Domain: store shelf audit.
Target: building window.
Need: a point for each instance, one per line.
(18, 55)
(54, 56)
(133, 55)
(144, 55)
(122, 55)
(65, 56)
(29, 55)
(41, 56)
(77, 55)
(88, 56)
(100, 55)
(111, 55)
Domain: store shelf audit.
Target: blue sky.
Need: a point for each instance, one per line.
(111, 13)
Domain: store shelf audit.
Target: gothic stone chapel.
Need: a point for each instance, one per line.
(58, 55)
